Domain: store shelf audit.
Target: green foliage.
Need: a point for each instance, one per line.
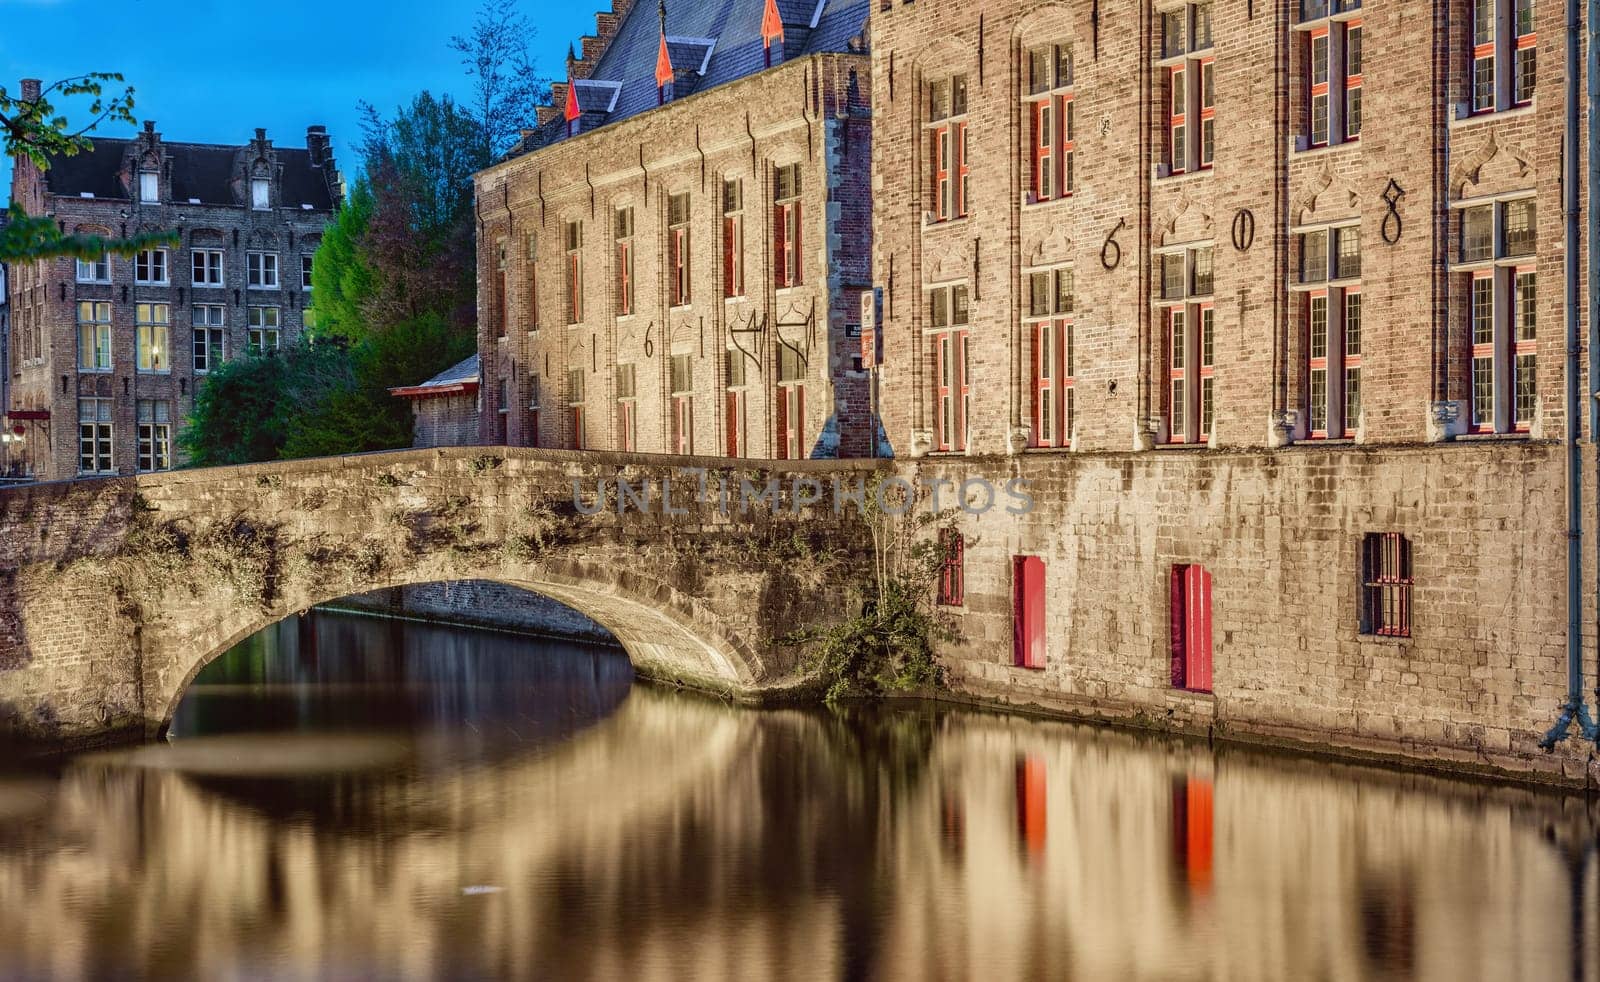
(35, 130)
(318, 399)
(341, 275)
(889, 645)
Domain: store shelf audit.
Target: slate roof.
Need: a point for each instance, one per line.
(199, 171)
(734, 29)
(456, 378)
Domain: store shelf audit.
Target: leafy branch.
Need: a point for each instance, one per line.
(34, 128)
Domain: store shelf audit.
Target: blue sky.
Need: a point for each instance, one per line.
(209, 71)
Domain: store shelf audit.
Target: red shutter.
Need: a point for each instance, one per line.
(796, 265)
(1179, 618)
(783, 424)
(779, 260)
(731, 412)
(1028, 606)
(728, 285)
(1197, 646)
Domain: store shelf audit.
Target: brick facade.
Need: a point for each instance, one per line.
(1270, 173)
(446, 409)
(139, 392)
(760, 363)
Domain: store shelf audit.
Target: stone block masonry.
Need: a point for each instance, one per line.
(480, 603)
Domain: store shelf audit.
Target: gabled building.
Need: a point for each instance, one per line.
(673, 261)
(106, 354)
(445, 408)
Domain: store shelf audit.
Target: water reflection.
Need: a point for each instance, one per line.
(650, 834)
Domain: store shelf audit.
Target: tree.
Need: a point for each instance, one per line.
(34, 130)
(341, 277)
(506, 86)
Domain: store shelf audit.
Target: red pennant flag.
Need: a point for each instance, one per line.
(573, 111)
(771, 24)
(664, 71)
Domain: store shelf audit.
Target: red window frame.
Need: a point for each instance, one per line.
(1520, 346)
(1178, 118)
(1351, 361)
(1481, 53)
(791, 421)
(786, 250)
(733, 255)
(1208, 111)
(683, 425)
(1205, 349)
(578, 440)
(952, 390)
(1481, 351)
(1175, 359)
(1524, 42)
(736, 431)
(1191, 628)
(1322, 364)
(952, 568)
(1319, 90)
(1387, 580)
(678, 262)
(627, 426)
(962, 173)
(1352, 81)
(1028, 612)
(575, 286)
(1044, 149)
(1053, 390)
(624, 278)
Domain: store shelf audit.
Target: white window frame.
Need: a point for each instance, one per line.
(96, 270)
(151, 260)
(257, 266)
(1507, 347)
(202, 258)
(100, 323)
(152, 338)
(260, 194)
(214, 330)
(258, 331)
(149, 187)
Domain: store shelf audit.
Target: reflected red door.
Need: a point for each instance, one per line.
(1030, 804)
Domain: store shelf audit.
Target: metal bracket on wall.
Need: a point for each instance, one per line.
(1392, 194)
(750, 327)
(1244, 229)
(1094, 27)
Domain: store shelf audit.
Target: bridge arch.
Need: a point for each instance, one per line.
(126, 588)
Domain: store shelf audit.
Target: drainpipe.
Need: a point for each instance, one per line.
(1575, 709)
(1592, 23)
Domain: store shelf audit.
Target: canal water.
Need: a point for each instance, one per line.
(357, 798)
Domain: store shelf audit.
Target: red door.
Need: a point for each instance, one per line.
(1027, 579)
(1191, 628)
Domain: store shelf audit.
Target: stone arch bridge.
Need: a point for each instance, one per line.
(115, 593)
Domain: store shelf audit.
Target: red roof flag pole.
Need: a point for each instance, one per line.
(771, 28)
(663, 59)
(573, 112)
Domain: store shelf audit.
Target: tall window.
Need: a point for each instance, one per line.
(207, 265)
(1052, 120)
(263, 329)
(530, 282)
(1188, 353)
(1503, 65)
(150, 267)
(624, 262)
(306, 262)
(948, 319)
(952, 567)
(735, 369)
(95, 270)
(1050, 303)
(94, 336)
(94, 437)
(575, 400)
(733, 238)
(678, 249)
(261, 270)
(1497, 254)
(947, 115)
(149, 187)
(155, 434)
(534, 396)
(1386, 582)
(499, 307)
(682, 390)
(786, 227)
(260, 194)
(1333, 70)
(1330, 282)
(208, 321)
(1190, 73)
(791, 404)
(627, 409)
(152, 338)
(574, 237)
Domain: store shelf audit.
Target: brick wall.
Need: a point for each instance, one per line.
(812, 112)
(445, 421)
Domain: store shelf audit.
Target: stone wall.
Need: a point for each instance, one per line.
(1480, 678)
(479, 603)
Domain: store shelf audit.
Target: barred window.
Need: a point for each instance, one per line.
(1386, 585)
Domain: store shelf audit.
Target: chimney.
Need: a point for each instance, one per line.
(317, 144)
(31, 87)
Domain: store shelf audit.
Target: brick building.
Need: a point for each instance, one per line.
(106, 355)
(1299, 256)
(673, 261)
(445, 409)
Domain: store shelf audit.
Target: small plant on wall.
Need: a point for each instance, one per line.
(888, 646)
